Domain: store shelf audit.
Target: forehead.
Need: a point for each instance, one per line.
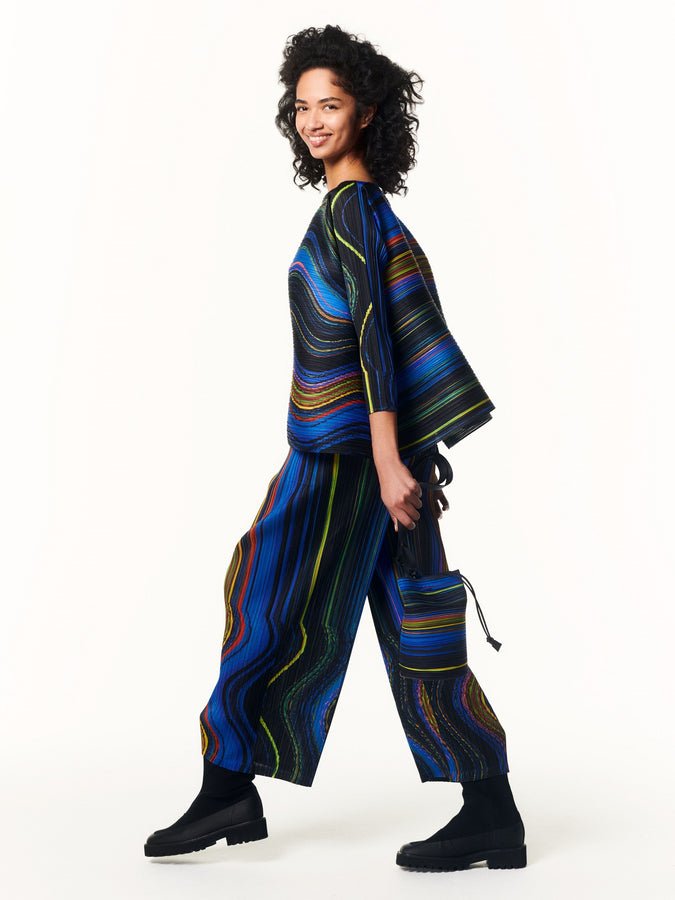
(314, 84)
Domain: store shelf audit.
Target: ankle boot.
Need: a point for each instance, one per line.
(487, 828)
(227, 806)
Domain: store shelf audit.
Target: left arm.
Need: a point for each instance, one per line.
(362, 253)
(400, 492)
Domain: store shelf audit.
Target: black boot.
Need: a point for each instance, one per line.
(488, 827)
(227, 806)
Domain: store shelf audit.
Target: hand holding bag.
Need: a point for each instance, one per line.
(433, 628)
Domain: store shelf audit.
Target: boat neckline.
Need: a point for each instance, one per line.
(351, 181)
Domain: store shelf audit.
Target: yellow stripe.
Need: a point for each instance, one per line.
(230, 579)
(365, 374)
(315, 573)
(341, 239)
(442, 669)
(276, 752)
(443, 425)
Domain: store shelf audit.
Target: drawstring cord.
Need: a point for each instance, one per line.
(406, 558)
(494, 643)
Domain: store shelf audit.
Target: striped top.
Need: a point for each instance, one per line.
(369, 334)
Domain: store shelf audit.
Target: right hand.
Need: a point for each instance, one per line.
(400, 493)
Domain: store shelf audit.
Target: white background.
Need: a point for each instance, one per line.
(148, 219)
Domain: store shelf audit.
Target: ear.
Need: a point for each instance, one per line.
(368, 115)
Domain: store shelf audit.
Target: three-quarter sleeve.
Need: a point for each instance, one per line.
(362, 253)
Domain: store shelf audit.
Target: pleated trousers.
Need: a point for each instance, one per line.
(321, 542)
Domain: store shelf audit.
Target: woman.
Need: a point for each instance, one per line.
(378, 381)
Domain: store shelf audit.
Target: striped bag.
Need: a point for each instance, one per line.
(433, 628)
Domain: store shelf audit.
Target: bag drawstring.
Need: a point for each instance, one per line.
(406, 558)
(494, 643)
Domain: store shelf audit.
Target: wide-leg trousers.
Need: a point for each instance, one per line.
(321, 542)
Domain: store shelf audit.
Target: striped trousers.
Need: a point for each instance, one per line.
(295, 589)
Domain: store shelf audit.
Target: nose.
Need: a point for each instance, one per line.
(313, 120)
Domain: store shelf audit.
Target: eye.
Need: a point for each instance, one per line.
(300, 108)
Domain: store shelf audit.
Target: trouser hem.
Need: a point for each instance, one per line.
(461, 776)
(267, 771)
(284, 775)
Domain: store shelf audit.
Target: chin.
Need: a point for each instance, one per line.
(317, 152)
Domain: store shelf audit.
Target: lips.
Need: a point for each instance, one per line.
(317, 140)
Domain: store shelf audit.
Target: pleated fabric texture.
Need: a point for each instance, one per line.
(295, 588)
(369, 334)
(433, 629)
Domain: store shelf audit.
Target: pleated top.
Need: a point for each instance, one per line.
(369, 334)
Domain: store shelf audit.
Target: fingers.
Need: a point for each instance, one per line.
(409, 517)
(406, 511)
(410, 525)
(413, 512)
(406, 519)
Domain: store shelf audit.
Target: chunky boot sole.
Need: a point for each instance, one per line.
(515, 858)
(233, 834)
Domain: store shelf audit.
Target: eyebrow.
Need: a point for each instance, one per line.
(325, 100)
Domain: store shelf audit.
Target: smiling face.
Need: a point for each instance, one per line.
(326, 118)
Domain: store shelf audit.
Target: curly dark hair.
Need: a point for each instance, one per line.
(389, 142)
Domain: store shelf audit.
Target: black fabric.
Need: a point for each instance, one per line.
(220, 787)
(218, 781)
(488, 805)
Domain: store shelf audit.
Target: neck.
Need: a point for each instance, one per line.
(350, 172)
